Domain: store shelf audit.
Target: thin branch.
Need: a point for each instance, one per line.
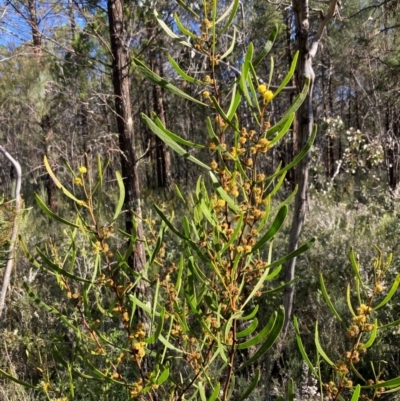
(146, 152)
(369, 7)
(324, 20)
(11, 251)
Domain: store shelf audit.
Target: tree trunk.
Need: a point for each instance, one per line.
(305, 122)
(163, 158)
(126, 134)
(48, 137)
(45, 121)
(33, 22)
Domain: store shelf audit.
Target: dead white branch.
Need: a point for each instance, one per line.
(11, 251)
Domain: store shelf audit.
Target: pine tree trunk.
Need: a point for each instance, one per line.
(126, 134)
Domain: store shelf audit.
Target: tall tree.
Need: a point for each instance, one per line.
(122, 98)
(304, 126)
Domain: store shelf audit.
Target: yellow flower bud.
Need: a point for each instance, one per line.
(267, 95)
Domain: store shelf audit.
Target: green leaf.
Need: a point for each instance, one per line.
(121, 198)
(43, 206)
(148, 73)
(327, 299)
(15, 380)
(291, 392)
(277, 186)
(391, 324)
(281, 287)
(156, 334)
(267, 46)
(233, 10)
(244, 75)
(294, 254)
(355, 264)
(232, 46)
(389, 294)
(270, 341)
(348, 298)
(235, 233)
(301, 348)
(283, 130)
(201, 391)
(215, 394)
(256, 287)
(170, 33)
(288, 75)
(389, 383)
(251, 86)
(167, 344)
(53, 267)
(275, 227)
(185, 6)
(175, 137)
(163, 377)
(271, 70)
(182, 73)
(179, 234)
(356, 394)
(97, 372)
(372, 338)
(288, 199)
(248, 330)
(319, 348)
(171, 143)
(232, 386)
(218, 188)
(138, 302)
(235, 101)
(251, 314)
(158, 244)
(50, 309)
(60, 186)
(252, 386)
(297, 159)
(182, 28)
(299, 99)
(220, 111)
(261, 335)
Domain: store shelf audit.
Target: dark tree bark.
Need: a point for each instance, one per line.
(48, 137)
(305, 122)
(163, 158)
(34, 24)
(126, 132)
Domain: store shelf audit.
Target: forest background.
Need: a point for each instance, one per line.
(76, 78)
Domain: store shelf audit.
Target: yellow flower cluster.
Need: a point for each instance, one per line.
(265, 93)
(138, 350)
(137, 388)
(208, 80)
(218, 203)
(363, 310)
(139, 331)
(176, 330)
(220, 121)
